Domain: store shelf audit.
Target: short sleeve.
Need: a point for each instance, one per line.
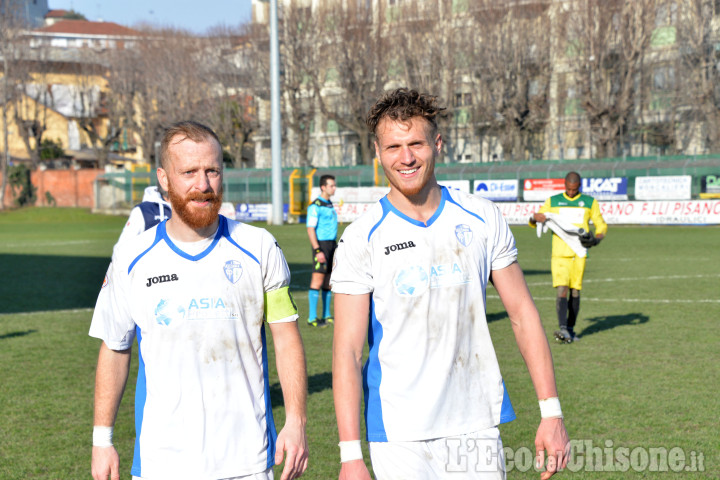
(504, 252)
(546, 206)
(351, 272)
(312, 216)
(112, 321)
(279, 305)
(597, 219)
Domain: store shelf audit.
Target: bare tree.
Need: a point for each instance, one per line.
(35, 98)
(231, 107)
(300, 63)
(511, 81)
(11, 24)
(355, 56)
(105, 93)
(173, 85)
(699, 61)
(435, 59)
(607, 43)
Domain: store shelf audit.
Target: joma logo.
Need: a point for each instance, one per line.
(398, 246)
(161, 279)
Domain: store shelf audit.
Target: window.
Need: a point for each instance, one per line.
(462, 99)
(573, 105)
(663, 78)
(666, 14)
(662, 87)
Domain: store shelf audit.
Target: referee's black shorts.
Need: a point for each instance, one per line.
(328, 248)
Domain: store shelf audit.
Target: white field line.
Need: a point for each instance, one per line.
(629, 300)
(49, 243)
(45, 312)
(637, 279)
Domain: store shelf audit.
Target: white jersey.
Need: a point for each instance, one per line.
(202, 404)
(432, 370)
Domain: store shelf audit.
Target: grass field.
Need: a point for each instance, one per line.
(643, 379)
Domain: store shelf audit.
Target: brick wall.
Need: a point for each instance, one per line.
(69, 188)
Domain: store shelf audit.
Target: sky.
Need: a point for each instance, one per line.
(193, 15)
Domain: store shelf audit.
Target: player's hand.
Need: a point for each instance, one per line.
(320, 257)
(105, 463)
(539, 217)
(354, 470)
(292, 441)
(553, 438)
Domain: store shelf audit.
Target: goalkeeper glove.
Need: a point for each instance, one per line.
(587, 240)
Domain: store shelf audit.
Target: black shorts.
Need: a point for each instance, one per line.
(328, 248)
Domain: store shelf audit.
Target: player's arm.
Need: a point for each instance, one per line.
(352, 313)
(540, 215)
(598, 220)
(532, 342)
(312, 223)
(110, 379)
(290, 359)
(315, 244)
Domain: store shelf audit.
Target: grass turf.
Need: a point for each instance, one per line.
(644, 374)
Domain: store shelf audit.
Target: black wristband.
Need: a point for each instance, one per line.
(317, 250)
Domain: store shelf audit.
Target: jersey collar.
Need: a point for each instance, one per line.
(162, 232)
(388, 207)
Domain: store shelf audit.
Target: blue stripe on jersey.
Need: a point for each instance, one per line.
(158, 237)
(226, 234)
(450, 199)
(507, 413)
(140, 397)
(372, 376)
(386, 210)
(204, 253)
(387, 206)
(269, 421)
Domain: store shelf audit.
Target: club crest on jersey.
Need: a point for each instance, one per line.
(464, 234)
(233, 270)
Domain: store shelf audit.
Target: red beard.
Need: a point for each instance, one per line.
(194, 216)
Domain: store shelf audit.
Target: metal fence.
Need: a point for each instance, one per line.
(120, 191)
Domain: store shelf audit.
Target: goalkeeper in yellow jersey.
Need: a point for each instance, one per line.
(567, 265)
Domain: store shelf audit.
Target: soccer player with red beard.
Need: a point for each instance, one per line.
(196, 292)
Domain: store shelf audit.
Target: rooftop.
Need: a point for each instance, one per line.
(84, 27)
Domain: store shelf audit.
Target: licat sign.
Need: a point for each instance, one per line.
(612, 188)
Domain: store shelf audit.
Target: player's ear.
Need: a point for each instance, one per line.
(162, 178)
(377, 151)
(438, 143)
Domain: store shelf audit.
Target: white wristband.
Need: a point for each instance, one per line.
(102, 436)
(550, 408)
(350, 451)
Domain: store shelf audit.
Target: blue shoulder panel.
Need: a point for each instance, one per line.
(158, 237)
(450, 199)
(226, 234)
